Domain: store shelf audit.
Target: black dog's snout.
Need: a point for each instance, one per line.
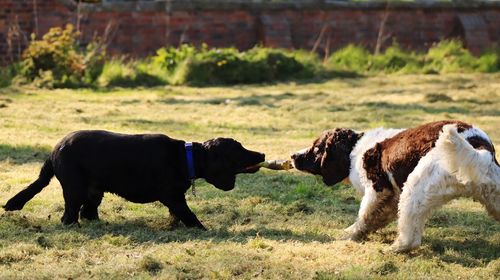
(295, 156)
(260, 156)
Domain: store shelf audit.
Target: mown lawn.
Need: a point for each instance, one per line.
(280, 225)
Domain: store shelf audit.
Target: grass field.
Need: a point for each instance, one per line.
(280, 225)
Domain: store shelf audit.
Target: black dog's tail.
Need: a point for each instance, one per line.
(18, 201)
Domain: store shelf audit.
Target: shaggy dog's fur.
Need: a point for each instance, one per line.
(407, 173)
(140, 168)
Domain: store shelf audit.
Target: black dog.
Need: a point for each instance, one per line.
(140, 168)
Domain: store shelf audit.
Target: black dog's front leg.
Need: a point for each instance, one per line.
(179, 208)
(173, 221)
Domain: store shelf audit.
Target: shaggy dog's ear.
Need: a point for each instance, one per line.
(372, 163)
(336, 162)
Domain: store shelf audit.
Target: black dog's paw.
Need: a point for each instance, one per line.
(68, 220)
(90, 215)
(13, 205)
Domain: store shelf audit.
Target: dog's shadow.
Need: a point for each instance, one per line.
(146, 230)
(473, 252)
(461, 238)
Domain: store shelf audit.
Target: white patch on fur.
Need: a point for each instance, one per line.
(473, 168)
(357, 174)
(301, 152)
(474, 131)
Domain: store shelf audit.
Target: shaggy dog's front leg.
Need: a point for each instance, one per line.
(377, 210)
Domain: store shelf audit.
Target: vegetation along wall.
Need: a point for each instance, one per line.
(141, 27)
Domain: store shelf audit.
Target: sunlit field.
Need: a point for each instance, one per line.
(274, 224)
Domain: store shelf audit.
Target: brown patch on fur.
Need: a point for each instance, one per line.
(329, 156)
(336, 160)
(400, 154)
(372, 163)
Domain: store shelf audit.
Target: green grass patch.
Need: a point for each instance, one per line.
(274, 224)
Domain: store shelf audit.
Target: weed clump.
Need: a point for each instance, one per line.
(437, 97)
(385, 268)
(8, 74)
(151, 265)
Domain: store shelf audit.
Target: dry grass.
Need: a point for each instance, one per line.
(281, 225)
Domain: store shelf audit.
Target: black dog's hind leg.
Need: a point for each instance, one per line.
(178, 208)
(89, 208)
(74, 192)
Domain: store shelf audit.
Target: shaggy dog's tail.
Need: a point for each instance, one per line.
(477, 169)
(18, 201)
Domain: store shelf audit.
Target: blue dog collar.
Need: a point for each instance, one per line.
(189, 160)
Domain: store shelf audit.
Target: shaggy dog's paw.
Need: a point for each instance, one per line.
(401, 248)
(353, 236)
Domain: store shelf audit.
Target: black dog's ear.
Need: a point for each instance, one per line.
(372, 163)
(336, 161)
(223, 182)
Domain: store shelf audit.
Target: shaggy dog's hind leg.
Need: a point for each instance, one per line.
(420, 197)
(377, 210)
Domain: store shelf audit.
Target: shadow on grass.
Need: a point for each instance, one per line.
(472, 252)
(268, 100)
(454, 109)
(413, 106)
(140, 230)
(23, 153)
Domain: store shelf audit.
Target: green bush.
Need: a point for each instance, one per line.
(351, 58)
(394, 59)
(449, 56)
(120, 73)
(217, 66)
(489, 61)
(229, 66)
(57, 60)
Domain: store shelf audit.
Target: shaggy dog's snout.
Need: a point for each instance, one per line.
(303, 161)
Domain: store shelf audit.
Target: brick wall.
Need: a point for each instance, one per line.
(140, 27)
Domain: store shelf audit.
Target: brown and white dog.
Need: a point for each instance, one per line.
(407, 173)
